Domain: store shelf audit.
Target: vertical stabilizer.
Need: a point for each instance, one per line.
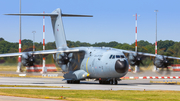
(57, 24)
(58, 29)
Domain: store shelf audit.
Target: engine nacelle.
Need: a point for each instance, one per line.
(135, 59)
(161, 61)
(28, 59)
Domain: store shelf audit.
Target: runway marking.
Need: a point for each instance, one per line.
(151, 77)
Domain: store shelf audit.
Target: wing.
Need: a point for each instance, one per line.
(41, 52)
(146, 54)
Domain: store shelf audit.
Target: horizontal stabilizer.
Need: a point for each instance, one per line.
(40, 14)
(52, 14)
(73, 15)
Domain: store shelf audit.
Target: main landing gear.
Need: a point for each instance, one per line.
(113, 81)
(73, 81)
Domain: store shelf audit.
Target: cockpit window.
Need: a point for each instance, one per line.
(117, 56)
(122, 56)
(110, 57)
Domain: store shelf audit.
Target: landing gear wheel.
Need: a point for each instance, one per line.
(100, 82)
(116, 82)
(68, 81)
(111, 82)
(77, 81)
(107, 82)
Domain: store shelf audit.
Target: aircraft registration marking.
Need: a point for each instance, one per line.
(87, 65)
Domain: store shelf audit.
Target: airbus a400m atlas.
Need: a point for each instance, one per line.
(101, 63)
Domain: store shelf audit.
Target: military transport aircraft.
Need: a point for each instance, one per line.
(105, 64)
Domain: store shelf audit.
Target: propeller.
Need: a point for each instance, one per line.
(162, 62)
(135, 60)
(64, 58)
(68, 61)
(28, 59)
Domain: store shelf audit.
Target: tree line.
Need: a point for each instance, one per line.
(167, 47)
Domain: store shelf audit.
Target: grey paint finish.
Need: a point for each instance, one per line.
(98, 64)
(58, 29)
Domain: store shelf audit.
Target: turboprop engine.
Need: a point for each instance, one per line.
(161, 62)
(28, 59)
(135, 59)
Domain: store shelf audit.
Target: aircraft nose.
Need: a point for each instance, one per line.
(121, 66)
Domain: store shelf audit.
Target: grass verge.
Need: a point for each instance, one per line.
(8, 67)
(95, 95)
(27, 76)
(166, 82)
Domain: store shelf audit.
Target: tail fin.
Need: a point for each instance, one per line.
(58, 29)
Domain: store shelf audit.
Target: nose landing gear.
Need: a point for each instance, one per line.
(73, 81)
(110, 81)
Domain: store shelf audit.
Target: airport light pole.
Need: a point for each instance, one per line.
(19, 58)
(156, 40)
(44, 70)
(33, 40)
(136, 67)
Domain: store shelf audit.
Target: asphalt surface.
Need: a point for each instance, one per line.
(150, 73)
(139, 84)
(89, 85)
(143, 73)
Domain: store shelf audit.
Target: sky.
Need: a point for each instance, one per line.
(112, 20)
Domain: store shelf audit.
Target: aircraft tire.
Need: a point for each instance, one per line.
(107, 82)
(116, 82)
(77, 81)
(100, 82)
(68, 81)
(111, 82)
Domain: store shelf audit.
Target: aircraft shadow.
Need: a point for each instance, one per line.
(130, 84)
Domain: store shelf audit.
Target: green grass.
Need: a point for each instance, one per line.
(166, 82)
(27, 76)
(8, 67)
(87, 95)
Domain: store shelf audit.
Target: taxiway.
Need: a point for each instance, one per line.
(88, 85)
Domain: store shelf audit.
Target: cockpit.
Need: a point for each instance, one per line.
(116, 56)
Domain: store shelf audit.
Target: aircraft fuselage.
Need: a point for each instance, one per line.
(99, 63)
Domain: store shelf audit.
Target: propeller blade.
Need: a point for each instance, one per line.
(161, 71)
(142, 63)
(168, 71)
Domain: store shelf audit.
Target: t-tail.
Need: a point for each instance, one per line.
(57, 24)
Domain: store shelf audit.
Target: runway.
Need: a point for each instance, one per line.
(88, 85)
